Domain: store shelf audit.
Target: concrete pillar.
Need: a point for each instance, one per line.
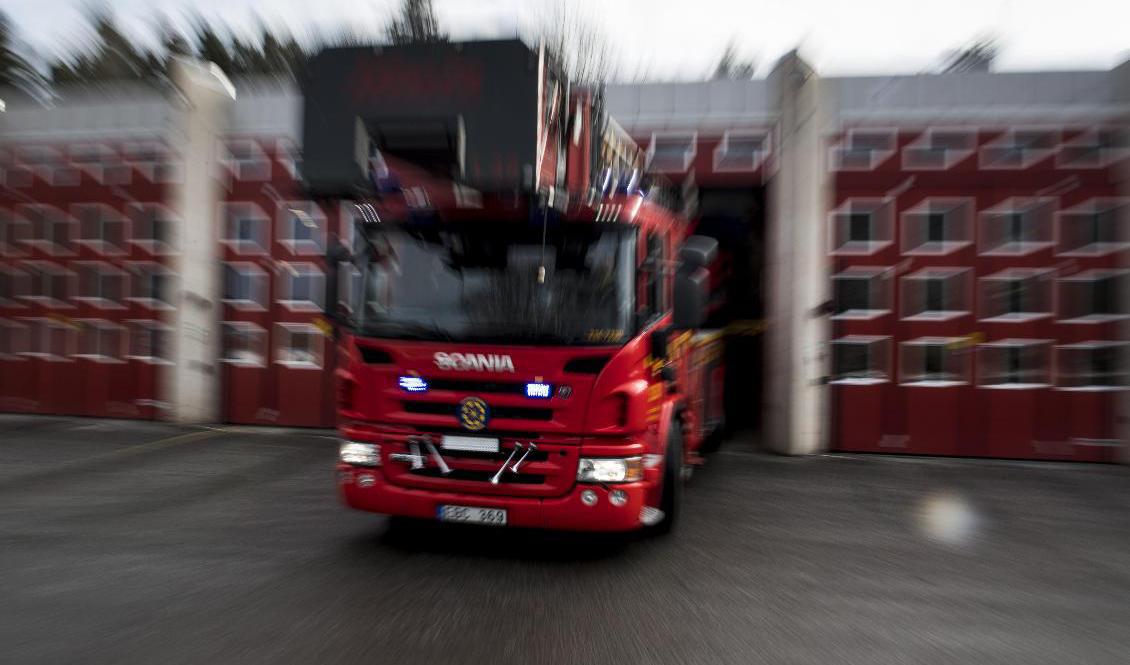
(191, 385)
(1121, 81)
(796, 401)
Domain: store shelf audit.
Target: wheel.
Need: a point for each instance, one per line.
(671, 498)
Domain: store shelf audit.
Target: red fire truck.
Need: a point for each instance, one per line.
(519, 356)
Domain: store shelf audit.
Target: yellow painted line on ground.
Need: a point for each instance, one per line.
(153, 445)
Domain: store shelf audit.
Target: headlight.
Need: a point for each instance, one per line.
(610, 470)
(360, 454)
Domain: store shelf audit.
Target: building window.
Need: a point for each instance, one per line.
(15, 232)
(101, 340)
(100, 228)
(152, 159)
(101, 163)
(246, 161)
(245, 286)
(14, 286)
(1093, 296)
(1094, 228)
(14, 340)
(101, 285)
(1014, 363)
(49, 339)
(149, 341)
(934, 362)
(671, 153)
(861, 226)
(1016, 295)
(862, 292)
(1017, 226)
(1093, 148)
(349, 285)
(49, 284)
(861, 360)
(939, 149)
(245, 344)
(937, 226)
(741, 150)
(936, 294)
(245, 228)
(301, 286)
(290, 156)
(151, 285)
(48, 229)
(47, 163)
(153, 227)
(299, 345)
(302, 227)
(1093, 366)
(1018, 149)
(863, 149)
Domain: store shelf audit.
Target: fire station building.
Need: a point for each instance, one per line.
(927, 264)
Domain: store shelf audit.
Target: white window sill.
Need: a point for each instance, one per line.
(1014, 386)
(1093, 389)
(1096, 249)
(102, 247)
(106, 360)
(1096, 318)
(937, 248)
(241, 362)
(934, 384)
(858, 248)
(936, 316)
(1017, 248)
(245, 305)
(859, 382)
(100, 303)
(298, 364)
(151, 360)
(301, 305)
(860, 314)
(245, 247)
(49, 303)
(46, 356)
(151, 303)
(154, 247)
(1017, 317)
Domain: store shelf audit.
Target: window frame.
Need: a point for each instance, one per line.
(288, 214)
(1091, 345)
(1006, 140)
(1045, 370)
(288, 271)
(262, 244)
(253, 270)
(1092, 276)
(883, 273)
(283, 331)
(926, 207)
(882, 214)
(949, 345)
(1091, 207)
(1017, 275)
(1011, 206)
(876, 158)
(950, 157)
(87, 325)
(887, 343)
(931, 273)
(756, 159)
(689, 153)
(244, 327)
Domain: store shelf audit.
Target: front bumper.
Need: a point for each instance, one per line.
(366, 489)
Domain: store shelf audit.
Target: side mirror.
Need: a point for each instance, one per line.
(336, 254)
(692, 281)
(692, 290)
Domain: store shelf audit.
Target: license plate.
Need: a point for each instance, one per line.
(471, 444)
(472, 515)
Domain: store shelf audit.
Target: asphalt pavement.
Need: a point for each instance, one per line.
(126, 542)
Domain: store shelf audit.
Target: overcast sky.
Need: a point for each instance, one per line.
(680, 39)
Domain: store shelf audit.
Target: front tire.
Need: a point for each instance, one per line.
(670, 501)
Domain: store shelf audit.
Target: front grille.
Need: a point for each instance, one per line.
(470, 386)
(480, 476)
(509, 412)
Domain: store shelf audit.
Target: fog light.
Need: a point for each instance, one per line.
(618, 497)
(357, 453)
(588, 497)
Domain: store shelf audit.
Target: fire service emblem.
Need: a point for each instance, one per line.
(473, 413)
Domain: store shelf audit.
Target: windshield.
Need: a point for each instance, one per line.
(480, 283)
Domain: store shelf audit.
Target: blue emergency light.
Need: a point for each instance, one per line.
(413, 384)
(538, 390)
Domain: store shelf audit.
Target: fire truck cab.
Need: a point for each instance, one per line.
(524, 355)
